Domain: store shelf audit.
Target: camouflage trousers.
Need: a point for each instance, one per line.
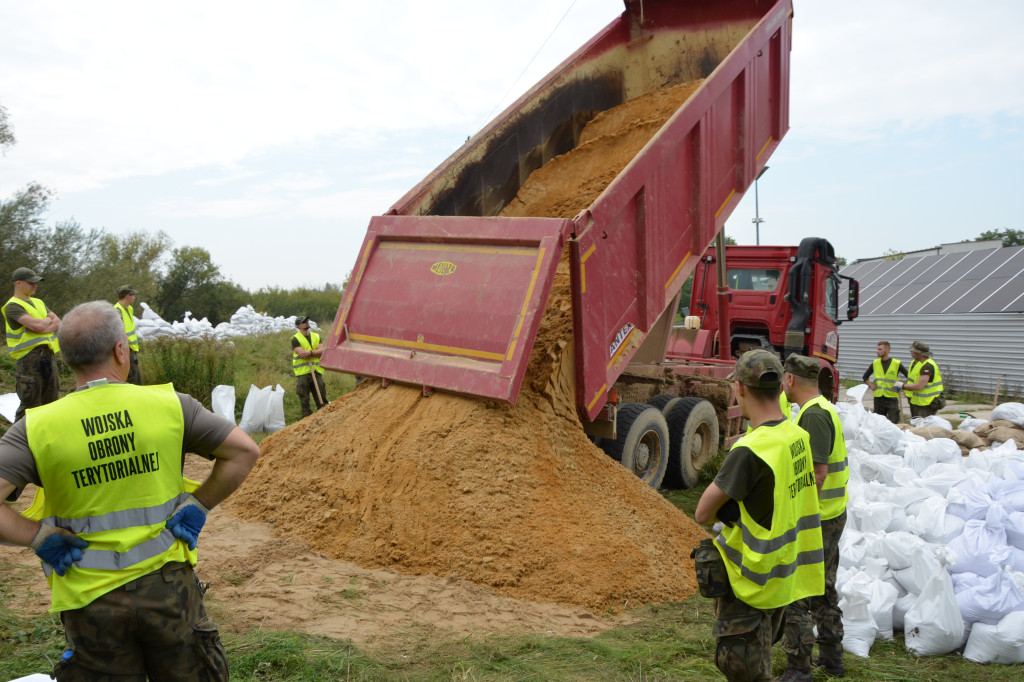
(37, 381)
(154, 626)
(744, 637)
(926, 410)
(823, 611)
(134, 374)
(889, 407)
(304, 389)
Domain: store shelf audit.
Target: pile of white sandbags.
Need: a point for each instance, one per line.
(245, 322)
(934, 541)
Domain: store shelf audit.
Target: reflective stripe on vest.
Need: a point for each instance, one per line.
(932, 389)
(833, 495)
(20, 342)
(128, 317)
(885, 380)
(109, 458)
(302, 366)
(773, 567)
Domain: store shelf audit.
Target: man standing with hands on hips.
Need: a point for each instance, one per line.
(32, 342)
(120, 523)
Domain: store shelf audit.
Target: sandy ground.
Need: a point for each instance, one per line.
(266, 582)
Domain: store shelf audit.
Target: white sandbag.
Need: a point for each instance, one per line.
(934, 524)
(914, 577)
(982, 544)
(882, 596)
(886, 434)
(968, 504)
(275, 410)
(921, 455)
(852, 547)
(881, 468)
(1011, 412)
(910, 498)
(903, 604)
(223, 401)
(1014, 528)
(855, 394)
(875, 516)
(934, 626)
(1001, 643)
(1009, 493)
(254, 410)
(899, 549)
(971, 423)
(932, 420)
(991, 600)
(859, 627)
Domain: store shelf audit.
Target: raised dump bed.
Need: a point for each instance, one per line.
(448, 294)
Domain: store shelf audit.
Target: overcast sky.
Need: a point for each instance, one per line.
(269, 132)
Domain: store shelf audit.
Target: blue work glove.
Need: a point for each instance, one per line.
(187, 520)
(57, 547)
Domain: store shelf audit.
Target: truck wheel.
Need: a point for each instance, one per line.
(693, 438)
(642, 445)
(664, 402)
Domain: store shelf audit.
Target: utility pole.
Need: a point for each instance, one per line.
(757, 210)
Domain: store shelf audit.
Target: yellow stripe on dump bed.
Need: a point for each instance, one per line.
(419, 345)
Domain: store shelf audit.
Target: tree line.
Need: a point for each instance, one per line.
(80, 264)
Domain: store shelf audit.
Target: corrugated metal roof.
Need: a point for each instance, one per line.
(972, 282)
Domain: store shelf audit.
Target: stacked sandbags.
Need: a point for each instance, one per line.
(245, 322)
(934, 542)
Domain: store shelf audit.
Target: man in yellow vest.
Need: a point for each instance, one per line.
(32, 342)
(924, 382)
(125, 299)
(309, 379)
(831, 473)
(119, 522)
(770, 544)
(886, 371)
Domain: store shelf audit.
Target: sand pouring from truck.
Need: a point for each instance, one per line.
(447, 291)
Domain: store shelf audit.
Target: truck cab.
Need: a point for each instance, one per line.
(781, 298)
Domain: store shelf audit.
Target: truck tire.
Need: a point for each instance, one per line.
(693, 441)
(642, 445)
(664, 402)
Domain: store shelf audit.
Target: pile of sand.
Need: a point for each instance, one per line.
(510, 496)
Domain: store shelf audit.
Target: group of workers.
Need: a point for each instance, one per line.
(779, 505)
(922, 385)
(32, 342)
(779, 500)
(114, 521)
(118, 525)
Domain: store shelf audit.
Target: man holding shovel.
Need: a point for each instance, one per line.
(306, 352)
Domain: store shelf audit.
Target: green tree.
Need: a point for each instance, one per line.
(1008, 236)
(133, 259)
(189, 271)
(6, 132)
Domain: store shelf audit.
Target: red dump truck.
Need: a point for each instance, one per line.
(448, 296)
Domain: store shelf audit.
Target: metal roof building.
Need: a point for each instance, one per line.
(967, 305)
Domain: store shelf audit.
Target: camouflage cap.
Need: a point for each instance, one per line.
(920, 347)
(758, 368)
(802, 366)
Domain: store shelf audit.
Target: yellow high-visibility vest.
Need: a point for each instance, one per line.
(773, 567)
(302, 366)
(109, 458)
(128, 317)
(885, 380)
(932, 389)
(20, 342)
(833, 495)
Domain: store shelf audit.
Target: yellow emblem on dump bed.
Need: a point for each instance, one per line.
(443, 268)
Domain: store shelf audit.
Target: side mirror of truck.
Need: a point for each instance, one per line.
(853, 304)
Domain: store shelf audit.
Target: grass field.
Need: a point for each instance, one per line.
(670, 641)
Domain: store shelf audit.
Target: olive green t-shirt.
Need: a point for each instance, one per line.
(817, 422)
